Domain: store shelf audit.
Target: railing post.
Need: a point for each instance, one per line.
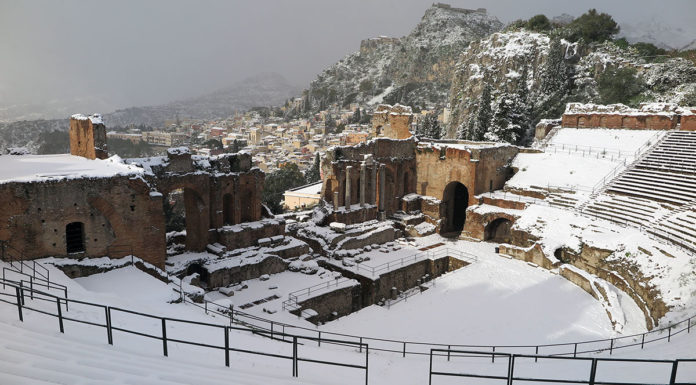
(611, 346)
(404, 351)
(673, 376)
(109, 335)
(449, 348)
(21, 291)
(688, 326)
(493, 356)
(31, 287)
(575, 350)
(294, 356)
(669, 333)
(271, 329)
(227, 347)
(19, 304)
(536, 353)
(319, 340)
(593, 371)
(642, 341)
(430, 372)
(367, 352)
(511, 368)
(60, 316)
(164, 337)
(360, 344)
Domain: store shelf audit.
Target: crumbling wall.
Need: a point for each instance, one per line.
(88, 137)
(392, 121)
(119, 215)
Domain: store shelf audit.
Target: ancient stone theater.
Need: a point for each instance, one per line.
(88, 205)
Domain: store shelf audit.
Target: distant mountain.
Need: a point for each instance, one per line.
(661, 35)
(262, 90)
(416, 69)
(689, 46)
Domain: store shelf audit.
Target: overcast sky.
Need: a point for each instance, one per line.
(149, 52)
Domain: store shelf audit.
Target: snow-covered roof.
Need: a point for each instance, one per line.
(38, 168)
(94, 118)
(314, 188)
(666, 109)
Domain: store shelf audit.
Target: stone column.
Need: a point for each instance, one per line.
(363, 171)
(348, 186)
(373, 190)
(335, 200)
(382, 190)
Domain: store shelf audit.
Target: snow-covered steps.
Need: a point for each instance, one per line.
(666, 173)
(679, 228)
(625, 210)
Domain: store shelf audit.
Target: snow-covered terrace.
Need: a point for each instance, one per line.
(578, 159)
(40, 168)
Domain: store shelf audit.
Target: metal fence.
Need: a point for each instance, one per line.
(512, 362)
(22, 293)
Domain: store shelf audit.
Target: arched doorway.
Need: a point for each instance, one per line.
(75, 237)
(455, 201)
(227, 209)
(582, 122)
(186, 218)
(247, 203)
(498, 231)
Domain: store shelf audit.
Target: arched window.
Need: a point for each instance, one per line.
(75, 237)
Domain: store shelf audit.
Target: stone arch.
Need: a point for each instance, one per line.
(197, 214)
(455, 200)
(75, 237)
(582, 122)
(498, 231)
(603, 121)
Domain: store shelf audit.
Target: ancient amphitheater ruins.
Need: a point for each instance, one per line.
(605, 198)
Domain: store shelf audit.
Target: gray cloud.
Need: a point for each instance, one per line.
(125, 53)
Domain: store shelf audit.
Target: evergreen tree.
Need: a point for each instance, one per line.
(432, 128)
(555, 83)
(313, 174)
(484, 114)
(356, 116)
(286, 177)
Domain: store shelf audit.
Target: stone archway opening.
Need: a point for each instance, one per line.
(455, 201)
(227, 209)
(203, 275)
(75, 237)
(498, 231)
(183, 213)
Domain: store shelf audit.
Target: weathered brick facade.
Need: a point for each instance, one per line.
(88, 137)
(123, 215)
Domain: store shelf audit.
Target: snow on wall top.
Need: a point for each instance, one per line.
(40, 168)
(94, 118)
(666, 109)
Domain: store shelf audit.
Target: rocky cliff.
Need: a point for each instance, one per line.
(416, 69)
(503, 59)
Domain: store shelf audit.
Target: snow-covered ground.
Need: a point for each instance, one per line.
(496, 300)
(30, 168)
(577, 159)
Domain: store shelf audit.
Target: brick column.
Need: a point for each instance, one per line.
(363, 172)
(382, 181)
(348, 186)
